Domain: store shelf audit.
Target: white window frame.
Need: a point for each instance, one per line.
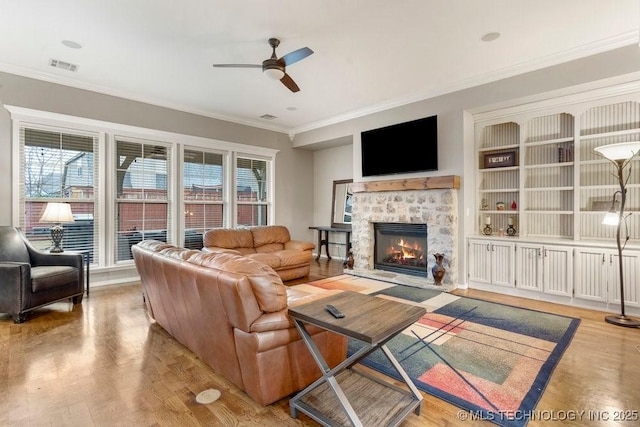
(108, 132)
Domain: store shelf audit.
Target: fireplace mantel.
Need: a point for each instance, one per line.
(430, 183)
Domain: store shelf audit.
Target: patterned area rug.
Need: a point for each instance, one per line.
(491, 359)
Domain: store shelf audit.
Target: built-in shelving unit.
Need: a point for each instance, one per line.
(538, 170)
(499, 182)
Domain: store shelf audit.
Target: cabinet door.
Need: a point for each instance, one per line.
(558, 270)
(631, 273)
(479, 264)
(591, 271)
(502, 263)
(529, 266)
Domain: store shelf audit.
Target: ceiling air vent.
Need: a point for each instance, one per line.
(268, 117)
(63, 65)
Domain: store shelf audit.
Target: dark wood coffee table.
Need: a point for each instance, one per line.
(346, 395)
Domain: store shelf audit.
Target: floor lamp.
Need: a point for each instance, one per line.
(620, 155)
(57, 213)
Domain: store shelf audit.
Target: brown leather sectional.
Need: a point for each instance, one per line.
(270, 244)
(231, 311)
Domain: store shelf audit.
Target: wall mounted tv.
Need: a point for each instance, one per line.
(401, 148)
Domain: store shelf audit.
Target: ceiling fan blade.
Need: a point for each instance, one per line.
(295, 56)
(289, 83)
(237, 65)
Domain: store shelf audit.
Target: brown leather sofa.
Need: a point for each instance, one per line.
(270, 244)
(231, 311)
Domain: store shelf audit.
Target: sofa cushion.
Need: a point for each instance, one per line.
(178, 253)
(271, 259)
(264, 235)
(270, 247)
(229, 238)
(154, 245)
(267, 286)
(49, 277)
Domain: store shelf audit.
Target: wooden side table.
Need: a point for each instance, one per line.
(86, 258)
(323, 239)
(346, 395)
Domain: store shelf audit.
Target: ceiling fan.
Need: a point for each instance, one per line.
(274, 67)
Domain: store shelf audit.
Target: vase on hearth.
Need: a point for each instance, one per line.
(438, 270)
(349, 261)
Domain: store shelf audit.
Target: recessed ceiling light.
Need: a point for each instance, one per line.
(489, 37)
(71, 44)
(292, 108)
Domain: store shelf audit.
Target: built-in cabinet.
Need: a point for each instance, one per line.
(544, 268)
(491, 262)
(597, 276)
(541, 194)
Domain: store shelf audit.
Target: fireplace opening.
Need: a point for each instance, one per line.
(401, 248)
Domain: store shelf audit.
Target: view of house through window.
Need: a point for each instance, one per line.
(59, 167)
(251, 191)
(142, 197)
(203, 194)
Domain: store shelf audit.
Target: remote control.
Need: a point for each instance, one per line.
(334, 311)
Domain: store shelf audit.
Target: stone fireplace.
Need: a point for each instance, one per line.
(431, 202)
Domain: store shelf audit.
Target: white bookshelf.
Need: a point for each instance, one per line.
(561, 189)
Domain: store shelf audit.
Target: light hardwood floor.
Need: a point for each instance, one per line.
(104, 364)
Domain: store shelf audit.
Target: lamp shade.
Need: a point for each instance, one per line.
(57, 213)
(274, 73)
(621, 151)
(611, 218)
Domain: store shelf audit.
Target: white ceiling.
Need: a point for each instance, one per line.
(369, 54)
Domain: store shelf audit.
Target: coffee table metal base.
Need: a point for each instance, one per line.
(332, 398)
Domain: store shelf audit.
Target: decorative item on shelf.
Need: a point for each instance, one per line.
(57, 213)
(514, 205)
(438, 270)
(511, 231)
(500, 206)
(487, 226)
(500, 160)
(501, 232)
(620, 155)
(484, 206)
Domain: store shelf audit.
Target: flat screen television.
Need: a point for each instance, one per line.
(401, 148)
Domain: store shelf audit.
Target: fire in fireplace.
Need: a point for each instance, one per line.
(401, 248)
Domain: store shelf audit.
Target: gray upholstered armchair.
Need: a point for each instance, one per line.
(30, 278)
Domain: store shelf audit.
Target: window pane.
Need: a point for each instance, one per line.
(59, 167)
(142, 209)
(252, 215)
(203, 186)
(137, 222)
(251, 191)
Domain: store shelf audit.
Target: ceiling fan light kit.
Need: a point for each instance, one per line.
(274, 67)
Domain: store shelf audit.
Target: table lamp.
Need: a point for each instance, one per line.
(57, 213)
(620, 155)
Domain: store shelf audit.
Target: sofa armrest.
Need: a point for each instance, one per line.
(40, 259)
(299, 245)
(217, 250)
(272, 322)
(280, 319)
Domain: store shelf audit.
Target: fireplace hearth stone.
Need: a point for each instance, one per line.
(400, 279)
